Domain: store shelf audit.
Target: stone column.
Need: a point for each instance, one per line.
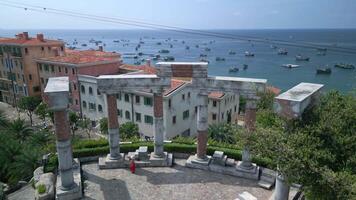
(158, 123)
(282, 188)
(250, 121)
(64, 148)
(113, 128)
(202, 127)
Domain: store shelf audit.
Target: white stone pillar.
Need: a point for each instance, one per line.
(202, 126)
(282, 188)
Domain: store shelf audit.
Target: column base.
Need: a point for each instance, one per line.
(165, 160)
(198, 163)
(251, 172)
(74, 192)
(109, 163)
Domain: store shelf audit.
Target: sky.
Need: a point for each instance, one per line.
(195, 14)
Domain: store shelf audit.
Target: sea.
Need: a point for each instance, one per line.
(266, 63)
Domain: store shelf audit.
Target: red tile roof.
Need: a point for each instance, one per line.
(216, 95)
(145, 68)
(30, 41)
(83, 57)
(175, 84)
(274, 90)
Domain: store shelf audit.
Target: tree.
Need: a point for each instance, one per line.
(42, 111)
(223, 132)
(129, 130)
(4, 122)
(73, 121)
(29, 105)
(318, 150)
(19, 130)
(104, 125)
(85, 124)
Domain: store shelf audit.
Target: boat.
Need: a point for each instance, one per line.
(323, 71)
(282, 52)
(203, 55)
(231, 52)
(321, 53)
(159, 43)
(156, 57)
(171, 45)
(290, 66)
(117, 41)
(249, 54)
(84, 45)
(140, 54)
(245, 66)
(163, 51)
(91, 40)
(301, 58)
(168, 58)
(207, 49)
(273, 46)
(219, 59)
(187, 47)
(204, 60)
(233, 69)
(137, 63)
(197, 46)
(344, 66)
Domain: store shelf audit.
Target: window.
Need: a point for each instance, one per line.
(127, 115)
(174, 119)
(84, 104)
(36, 88)
(196, 109)
(46, 68)
(222, 115)
(26, 51)
(214, 103)
(188, 95)
(138, 117)
(52, 68)
(30, 77)
(100, 108)
(82, 89)
(73, 72)
(98, 92)
(90, 91)
(137, 99)
(183, 96)
(49, 48)
(66, 70)
(40, 66)
(148, 101)
(62, 48)
(169, 103)
(119, 113)
(42, 80)
(92, 106)
(186, 114)
(118, 96)
(59, 69)
(74, 86)
(214, 116)
(127, 98)
(42, 48)
(235, 108)
(148, 119)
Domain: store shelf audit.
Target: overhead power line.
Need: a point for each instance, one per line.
(141, 24)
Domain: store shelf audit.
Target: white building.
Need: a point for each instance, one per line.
(179, 107)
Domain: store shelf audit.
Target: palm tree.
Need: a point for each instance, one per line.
(4, 122)
(19, 129)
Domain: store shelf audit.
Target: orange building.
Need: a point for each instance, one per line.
(73, 63)
(18, 70)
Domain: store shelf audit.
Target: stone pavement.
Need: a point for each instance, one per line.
(177, 182)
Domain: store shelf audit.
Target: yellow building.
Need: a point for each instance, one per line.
(18, 71)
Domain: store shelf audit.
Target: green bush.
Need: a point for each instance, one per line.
(41, 189)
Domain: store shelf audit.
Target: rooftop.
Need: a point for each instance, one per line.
(82, 57)
(300, 92)
(216, 95)
(24, 39)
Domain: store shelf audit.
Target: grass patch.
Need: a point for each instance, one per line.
(41, 189)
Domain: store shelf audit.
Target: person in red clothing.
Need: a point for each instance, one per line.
(132, 165)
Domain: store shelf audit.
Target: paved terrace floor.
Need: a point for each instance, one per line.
(177, 182)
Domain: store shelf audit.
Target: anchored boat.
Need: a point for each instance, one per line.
(249, 54)
(301, 58)
(290, 66)
(282, 52)
(323, 71)
(345, 66)
(233, 69)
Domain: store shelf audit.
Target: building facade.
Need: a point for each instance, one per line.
(180, 106)
(18, 70)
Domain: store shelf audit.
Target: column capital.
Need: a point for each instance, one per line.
(57, 93)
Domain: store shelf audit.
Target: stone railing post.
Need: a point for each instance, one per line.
(202, 127)
(158, 123)
(250, 123)
(113, 128)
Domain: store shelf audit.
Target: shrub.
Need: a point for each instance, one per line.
(41, 189)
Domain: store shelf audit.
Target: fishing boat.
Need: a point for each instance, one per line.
(290, 66)
(163, 51)
(140, 54)
(156, 57)
(233, 69)
(91, 40)
(84, 45)
(187, 47)
(171, 46)
(245, 66)
(231, 52)
(117, 41)
(321, 53)
(273, 46)
(159, 43)
(207, 49)
(197, 46)
(203, 55)
(344, 66)
(168, 58)
(323, 70)
(249, 54)
(282, 52)
(219, 59)
(301, 58)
